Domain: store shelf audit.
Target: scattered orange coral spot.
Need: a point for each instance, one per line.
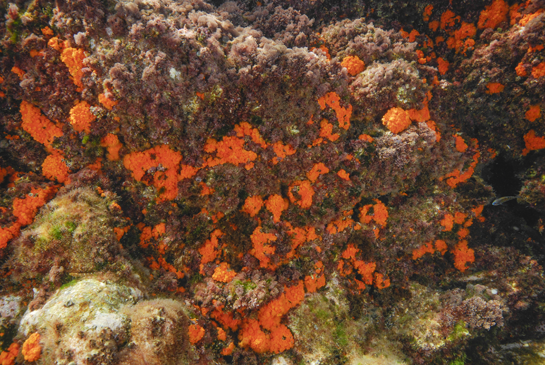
(313, 283)
(366, 138)
(282, 150)
(31, 347)
(305, 192)
(222, 336)
(245, 129)
(120, 232)
(16, 70)
(196, 332)
(260, 251)
(420, 115)
(380, 282)
(422, 250)
(463, 255)
(8, 357)
(343, 175)
(442, 65)
(461, 145)
(353, 64)
(73, 59)
(206, 190)
(112, 144)
(521, 70)
(441, 246)
(317, 170)
(252, 205)
(463, 233)
(38, 126)
(365, 269)
(431, 125)
(223, 273)
(165, 181)
(228, 350)
(532, 142)
(325, 131)
(47, 31)
(427, 12)
(493, 14)
(529, 17)
(343, 114)
(396, 120)
(539, 70)
(208, 249)
(494, 88)
(447, 222)
(187, 172)
(25, 209)
(448, 19)
(54, 167)
(81, 117)
(252, 336)
(106, 101)
(228, 150)
(433, 25)
(9, 233)
(276, 205)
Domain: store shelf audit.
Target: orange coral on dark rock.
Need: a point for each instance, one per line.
(140, 162)
(532, 142)
(38, 126)
(196, 333)
(54, 167)
(81, 117)
(252, 205)
(493, 14)
(396, 120)
(353, 64)
(73, 59)
(305, 192)
(462, 255)
(112, 144)
(276, 205)
(260, 250)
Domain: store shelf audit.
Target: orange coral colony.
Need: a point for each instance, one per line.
(81, 117)
(38, 126)
(396, 120)
(353, 64)
(32, 350)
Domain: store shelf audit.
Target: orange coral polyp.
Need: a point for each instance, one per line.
(112, 144)
(343, 114)
(81, 117)
(228, 150)
(463, 255)
(353, 64)
(32, 350)
(532, 142)
(208, 249)
(196, 333)
(38, 126)
(493, 14)
(73, 59)
(305, 191)
(223, 273)
(54, 168)
(396, 120)
(533, 113)
(276, 205)
(317, 170)
(140, 162)
(252, 205)
(260, 250)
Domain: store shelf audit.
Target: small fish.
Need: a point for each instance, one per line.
(504, 199)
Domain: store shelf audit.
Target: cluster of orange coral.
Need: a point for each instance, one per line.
(252, 205)
(107, 102)
(343, 114)
(228, 150)
(196, 333)
(223, 273)
(317, 170)
(353, 64)
(276, 205)
(279, 338)
(396, 120)
(380, 213)
(532, 142)
(32, 350)
(54, 168)
(38, 126)
(493, 14)
(165, 181)
(8, 357)
(73, 59)
(261, 251)
(533, 113)
(305, 192)
(112, 144)
(81, 117)
(208, 249)
(440, 246)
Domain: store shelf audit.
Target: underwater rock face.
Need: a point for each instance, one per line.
(272, 182)
(83, 323)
